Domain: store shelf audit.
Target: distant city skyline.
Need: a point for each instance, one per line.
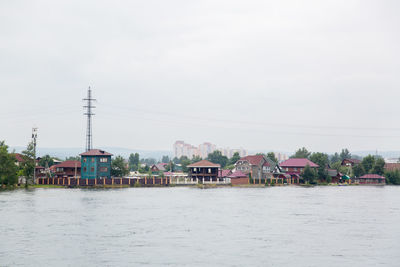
(180, 148)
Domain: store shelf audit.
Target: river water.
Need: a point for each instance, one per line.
(276, 226)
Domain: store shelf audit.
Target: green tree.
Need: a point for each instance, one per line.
(134, 161)
(335, 158)
(184, 163)
(170, 167)
(379, 166)
(301, 153)
(165, 159)
(8, 169)
(75, 158)
(309, 175)
(271, 156)
(336, 165)
(358, 170)
(29, 163)
(218, 158)
(234, 158)
(368, 163)
(196, 159)
(322, 160)
(393, 177)
(345, 154)
(118, 167)
(46, 161)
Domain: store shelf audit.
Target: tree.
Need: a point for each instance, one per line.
(176, 160)
(134, 161)
(196, 159)
(234, 158)
(345, 154)
(46, 161)
(75, 158)
(184, 163)
(368, 163)
(309, 175)
(29, 163)
(8, 169)
(271, 156)
(336, 165)
(170, 167)
(335, 158)
(165, 159)
(322, 160)
(379, 166)
(358, 170)
(393, 177)
(218, 158)
(118, 167)
(301, 153)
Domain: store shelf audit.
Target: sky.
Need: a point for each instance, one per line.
(268, 75)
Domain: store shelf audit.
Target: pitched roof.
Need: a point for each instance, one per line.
(238, 174)
(354, 161)
(19, 157)
(301, 162)
(392, 166)
(253, 159)
(68, 164)
(96, 152)
(224, 173)
(266, 164)
(371, 176)
(204, 163)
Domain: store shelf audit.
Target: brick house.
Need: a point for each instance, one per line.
(239, 178)
(258, 166)
(67, 169)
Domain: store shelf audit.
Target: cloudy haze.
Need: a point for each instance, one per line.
(254, 74)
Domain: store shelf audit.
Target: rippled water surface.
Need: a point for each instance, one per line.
(281, 226)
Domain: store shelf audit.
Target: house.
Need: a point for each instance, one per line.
(370, 179)
(239, 178)
(297, 165)
(258, 166)
(224, 173)
(19, 158)
(95, 163)
(336, 176)
(350, 162)
(67, 169)
(160, 167)
(204, 171)
(40, 171)
(392, 166)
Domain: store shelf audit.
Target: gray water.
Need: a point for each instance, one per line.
(279, 226)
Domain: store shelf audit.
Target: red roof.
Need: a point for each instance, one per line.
(371, 176)
(204, 163)
(224, 173)
(392, 166)
(19, 157)
(68, 164)
(238, 174)
(354, 161)
(266, 164)
(298, 163)
(96, 152)
(253, 159)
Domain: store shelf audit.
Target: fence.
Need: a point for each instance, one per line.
(103, 182)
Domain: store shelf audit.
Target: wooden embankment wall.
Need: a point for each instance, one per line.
(105, 182)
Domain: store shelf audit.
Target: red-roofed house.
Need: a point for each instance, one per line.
(392, 166)
(224, 173)
(67, 169)
(297, 165)
(370, 179)
(204, 171)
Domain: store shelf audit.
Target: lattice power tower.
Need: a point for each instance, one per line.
(89, 113)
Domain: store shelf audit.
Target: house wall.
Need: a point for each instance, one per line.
(94, 162)
(239, 181)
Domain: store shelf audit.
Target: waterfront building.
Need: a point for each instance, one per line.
(204, 171)
(370, 179)
(67, 169)
(350, 162)
(238, 178)
(95, 163)
(258, 166)
(297, 165)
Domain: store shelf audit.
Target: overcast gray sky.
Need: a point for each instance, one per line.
(254, 74)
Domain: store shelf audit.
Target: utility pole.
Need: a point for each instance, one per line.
(34, 136)
(89, 113)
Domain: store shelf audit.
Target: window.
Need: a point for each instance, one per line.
(84, 169)
(103, 159)
(194, 169)
(92, 159)
(84, 159)
(209, 170)
(103, 169)
(92, 169)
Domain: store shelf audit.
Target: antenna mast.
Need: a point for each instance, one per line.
(89, 113)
